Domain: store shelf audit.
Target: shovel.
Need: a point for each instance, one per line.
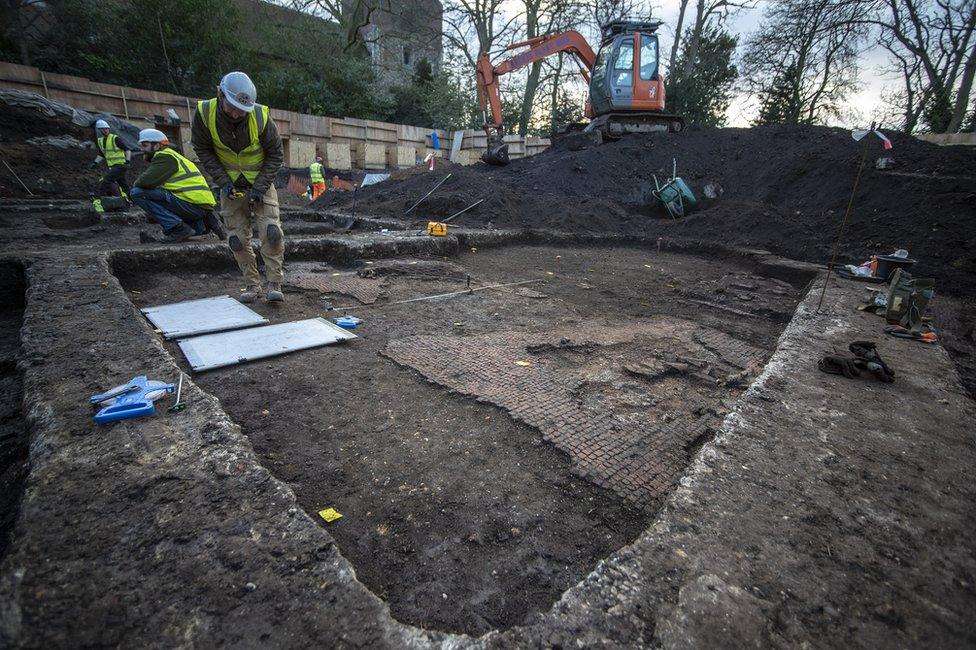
(424, 197)
(351, 221)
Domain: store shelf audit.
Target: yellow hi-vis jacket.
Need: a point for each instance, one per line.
(188, 183)
(249, 160)
(315, 172)
(109, 148)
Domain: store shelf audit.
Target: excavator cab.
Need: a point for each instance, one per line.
(626, 89)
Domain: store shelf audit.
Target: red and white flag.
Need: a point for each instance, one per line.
(859, 135)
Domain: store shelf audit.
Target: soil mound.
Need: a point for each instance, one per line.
(51, 154)
(781, 188)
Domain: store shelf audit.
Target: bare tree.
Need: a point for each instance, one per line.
(682, 8)
(705, 12)
(803, 60)
(28, 13)
(544, 17)
(932, 45)
(601, 12)
(964, 93)
(353, 16)
(472, 27)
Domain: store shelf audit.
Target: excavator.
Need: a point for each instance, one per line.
(626, 90)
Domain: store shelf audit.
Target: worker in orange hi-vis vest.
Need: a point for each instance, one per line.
(316, 177)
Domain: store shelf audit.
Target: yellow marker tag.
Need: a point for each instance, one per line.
(647, 266)
(330, 515)
(522, 363)
(335, 274)
(550, 273)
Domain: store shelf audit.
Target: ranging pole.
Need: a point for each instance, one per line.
(857, 135)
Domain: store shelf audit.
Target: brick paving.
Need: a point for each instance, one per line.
(625, 434)
(365, 290)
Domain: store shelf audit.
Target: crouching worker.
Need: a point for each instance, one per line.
(238, 144)
(173, 192)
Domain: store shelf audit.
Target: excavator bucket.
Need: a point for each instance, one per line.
(497, 152)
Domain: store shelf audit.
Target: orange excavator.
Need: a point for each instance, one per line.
(626, 88)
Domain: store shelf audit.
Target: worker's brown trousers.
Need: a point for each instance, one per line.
(240, 217)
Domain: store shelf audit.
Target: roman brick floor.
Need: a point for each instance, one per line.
(628, 402)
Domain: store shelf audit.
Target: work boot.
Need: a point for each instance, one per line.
(274, 292)
(212, 221)
(250, 294)
(178, 234)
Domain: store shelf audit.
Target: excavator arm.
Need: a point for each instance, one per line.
(488, 81)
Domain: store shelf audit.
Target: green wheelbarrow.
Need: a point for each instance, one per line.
(674, 193)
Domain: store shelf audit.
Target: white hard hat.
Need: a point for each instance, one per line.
(239, 90)
(152, 135)
(102, 124)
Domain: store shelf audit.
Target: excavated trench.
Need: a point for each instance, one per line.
(13, 431)
(487, 450)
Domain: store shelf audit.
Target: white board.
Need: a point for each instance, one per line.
(456, 145)
(373, 179)
(192, 317)
(229, 348)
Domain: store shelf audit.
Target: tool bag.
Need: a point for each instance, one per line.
(908, 298)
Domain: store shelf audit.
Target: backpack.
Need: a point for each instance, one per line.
(908, 298)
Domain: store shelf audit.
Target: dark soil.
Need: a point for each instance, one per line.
(783, 188)
(46, 170)
(456, 514)
(13, 433)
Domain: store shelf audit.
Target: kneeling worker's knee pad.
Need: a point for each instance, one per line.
(274, 234)
(235, 243)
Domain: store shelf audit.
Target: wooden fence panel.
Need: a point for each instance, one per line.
(140, 106)
(968, 139)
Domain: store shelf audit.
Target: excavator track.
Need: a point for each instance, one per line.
(604, 128)
(616, 125)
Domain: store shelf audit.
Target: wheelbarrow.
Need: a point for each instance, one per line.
(674, 193)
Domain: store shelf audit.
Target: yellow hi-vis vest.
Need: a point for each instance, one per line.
(188, 183)
(315, 172)
(249, 160)
(114, 156)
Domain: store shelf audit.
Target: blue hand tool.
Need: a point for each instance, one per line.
(347, 322)
(131, 400)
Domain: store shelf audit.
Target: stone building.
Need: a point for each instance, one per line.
(399, 36)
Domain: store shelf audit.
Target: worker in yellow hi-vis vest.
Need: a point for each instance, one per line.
(238, 145)
(316, 177)
(173, 192)
(116, 155)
